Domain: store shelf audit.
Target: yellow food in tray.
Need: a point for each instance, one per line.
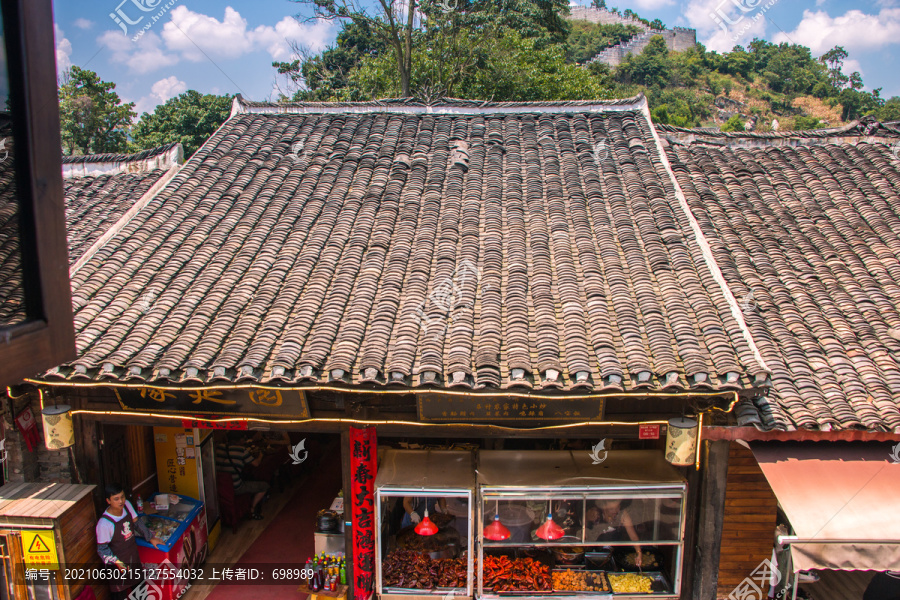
(630, 583)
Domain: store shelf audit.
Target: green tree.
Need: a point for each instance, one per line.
(93, 120)
(587, 39)
(890, 111)
(651, 67)
(601, 4)
(834, 59)
(190, 118)
(802, 123)
(735, 123)
(511, 68)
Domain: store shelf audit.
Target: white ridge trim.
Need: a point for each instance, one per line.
(703, 243)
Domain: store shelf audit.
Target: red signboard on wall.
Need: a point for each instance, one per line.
(648, 432)
(363, 454)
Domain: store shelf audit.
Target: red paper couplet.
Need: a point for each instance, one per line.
(363, 454)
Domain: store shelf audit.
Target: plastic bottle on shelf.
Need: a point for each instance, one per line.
(139, 504)
(343, 574)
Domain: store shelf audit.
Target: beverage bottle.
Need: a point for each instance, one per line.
(343, 574)
(139, 504)
(314, 585)
(307, 570)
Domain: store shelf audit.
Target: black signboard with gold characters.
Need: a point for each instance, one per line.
(249, 402)
(468, 408)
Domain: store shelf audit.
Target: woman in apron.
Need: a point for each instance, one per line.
(116, 544)
(609, 522)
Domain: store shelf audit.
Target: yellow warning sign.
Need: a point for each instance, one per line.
(39, 549)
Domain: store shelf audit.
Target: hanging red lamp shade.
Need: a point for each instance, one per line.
(426, 527)
(496, 532)
(550, 530)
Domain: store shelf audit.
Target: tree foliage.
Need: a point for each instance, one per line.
(190, 118)
(93, 120)
(587, 39)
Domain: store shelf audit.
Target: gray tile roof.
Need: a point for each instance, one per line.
(471, 244)
(94, 203)
(808, 237)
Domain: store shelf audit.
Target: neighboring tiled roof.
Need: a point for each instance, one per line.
(306, 243)
(93, 205)
(865, 128)
(808, 236)
(12, 291)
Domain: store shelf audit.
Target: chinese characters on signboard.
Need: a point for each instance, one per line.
(242, 401)
(363, 449)
(437, 408)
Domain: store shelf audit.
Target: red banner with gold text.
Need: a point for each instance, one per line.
(363, 454)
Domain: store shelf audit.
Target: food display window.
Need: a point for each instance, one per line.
(424, 522)
(557, 524)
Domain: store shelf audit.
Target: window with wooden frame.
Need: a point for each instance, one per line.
(36, 325)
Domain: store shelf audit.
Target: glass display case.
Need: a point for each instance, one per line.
(553, 523)
(424, 524)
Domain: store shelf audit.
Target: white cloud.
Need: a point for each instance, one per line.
(723, 24)
(854, 30)
(63, 50)
(851, 65)
(168, 88)
(142, 56)
(197, 36)
(83, 23)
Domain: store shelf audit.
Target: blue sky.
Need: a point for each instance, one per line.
(160, 48)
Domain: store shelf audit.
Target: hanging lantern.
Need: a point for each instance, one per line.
(59, 432)
(496, 531)
(681, 441)
(426, 527)
(550, 530)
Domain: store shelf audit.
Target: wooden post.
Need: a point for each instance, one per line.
(711, 518)
(346, 479)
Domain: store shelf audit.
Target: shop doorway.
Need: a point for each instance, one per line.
(114, 456)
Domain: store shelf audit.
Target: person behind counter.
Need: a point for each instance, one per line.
(116, 544)
(611, 523)
(233, 457)
(415, 509)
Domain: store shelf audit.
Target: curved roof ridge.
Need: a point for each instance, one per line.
(111, 157)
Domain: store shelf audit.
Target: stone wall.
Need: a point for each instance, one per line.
(677, 40)
(601, 16)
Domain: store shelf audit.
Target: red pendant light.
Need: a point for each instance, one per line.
(426, 527)
(496, 531)
(550, 530)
